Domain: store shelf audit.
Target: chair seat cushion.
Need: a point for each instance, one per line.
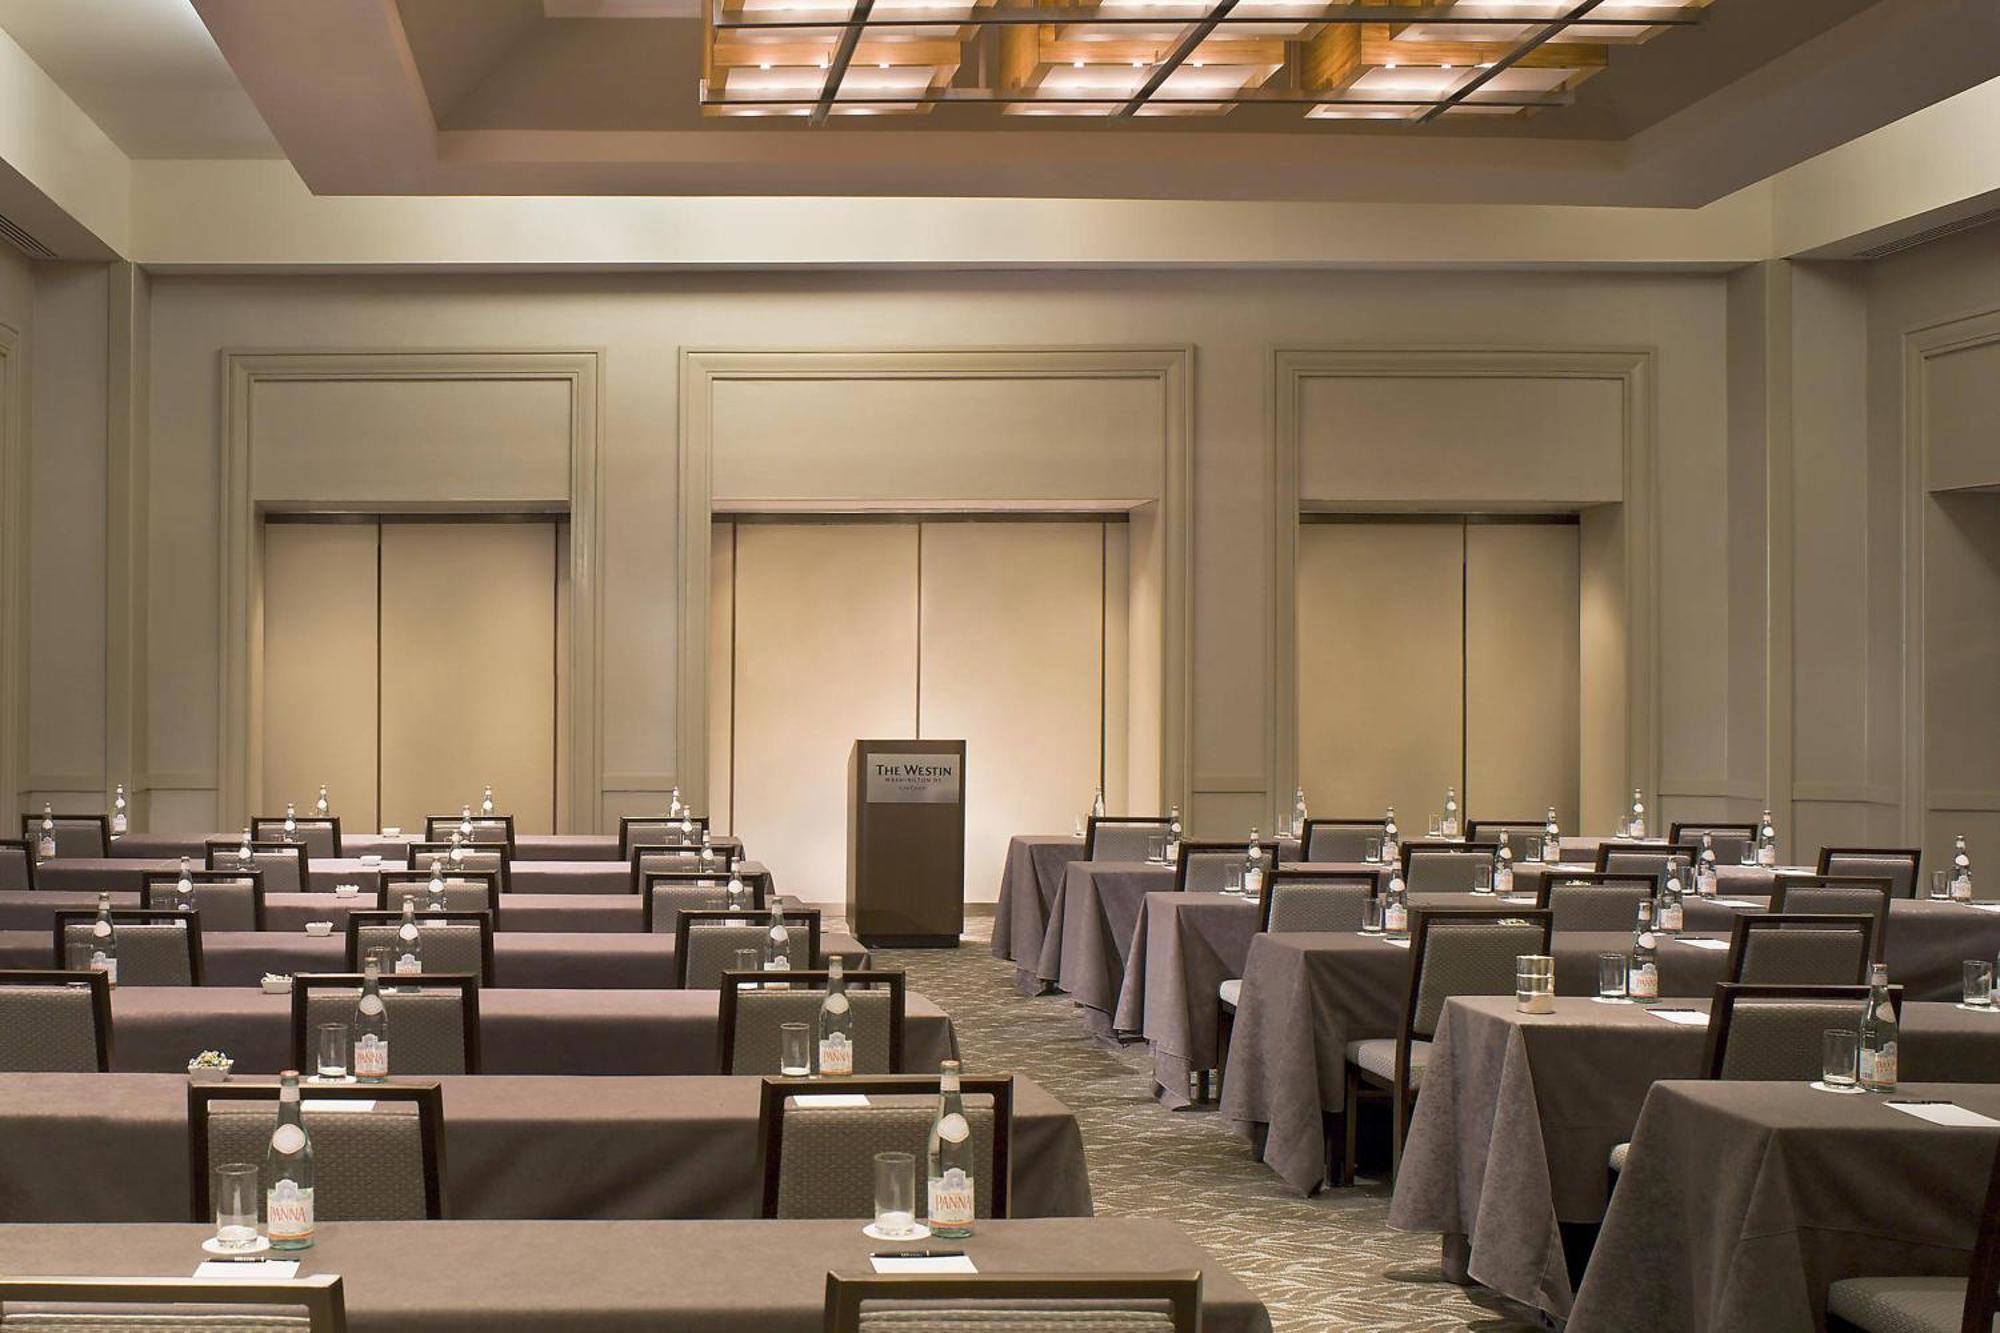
(1378, 1057)
(1618, 1156)
(1231, 991)
(1899, 1304)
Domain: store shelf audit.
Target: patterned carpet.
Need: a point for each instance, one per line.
(1320, 1264)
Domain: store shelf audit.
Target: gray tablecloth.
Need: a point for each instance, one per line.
(127, 874)
(1519, 1113)
(527, 846)
(1029, 879)
(1742, 1202)
(515, 1147)
(1090, 931)
(1306, 995)
(559, 913)
(541, 961)
(1184, 947)
(625, 1277)
(158, 1029)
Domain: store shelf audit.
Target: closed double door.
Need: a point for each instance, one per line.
(994, 632)
(407, 665)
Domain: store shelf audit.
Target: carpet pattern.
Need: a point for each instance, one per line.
(1320, 1264)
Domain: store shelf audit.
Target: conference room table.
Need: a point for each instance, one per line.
(158, 1029)
(395, 847)
(546, 913)
(1306, 995)
(515, 1148)
(520, 958)
(1519, 1113)
(736, 1276)
(1741, 1203)
(79, 874)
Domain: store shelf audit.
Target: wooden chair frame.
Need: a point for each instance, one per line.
(277, 822)
(1782, 885)
(1273, 878)
(1180, 1290)
(1545, 891)
(726, 859)
(1270, 846)
(320, 1295)
(432, 823)
(421, 854)
(625, 823)
(1739, 936)
(397, 878)
(31, 826)
(771, 1122)
(1722, 1011)
(156, 880)
(467, 985)
(1914, 854)
(135, 916)
(212, 847)
(1407, 851)
(100, 999)
(1611, 847)
(897, 983)
(1378, 826)
(758, 886)
(1679, 831)
(690, 920)
(27, 850)
(356, 920)
(1090, 825)
(1536, 828)
(427, 1096)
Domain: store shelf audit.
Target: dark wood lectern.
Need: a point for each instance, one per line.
(906, 843)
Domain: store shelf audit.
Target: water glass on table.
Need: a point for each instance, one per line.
(1840, 1060)
(1371, 851)
(895, 1195)
(1940, 886)
(1232, 880)
(233, 1189)
(332, 1065)
(1978, 984)
(1611, 977)
(1482, 878)
(795, 1052)
(1156, 850)
(1371, 916)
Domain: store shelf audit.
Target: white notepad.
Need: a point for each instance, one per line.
(1732, 902)
(1400, 944)
(253, 1270)
(1693, 1018)
(1706, 944)
(334, 1104)
(829, 1100)
(957, 1263)
(1945, 1113)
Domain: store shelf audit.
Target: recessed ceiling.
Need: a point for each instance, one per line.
(146, 71)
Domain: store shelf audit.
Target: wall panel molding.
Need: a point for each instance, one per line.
(13, 566)
(1847, 793)
(1291, 368)
(241, 592)
(128, 506)
(1168, 369)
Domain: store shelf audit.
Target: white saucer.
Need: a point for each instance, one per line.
(214, 1246)
(1609, 999)
(1818, 1086)
(1977, 1008)
(315, 1081)
(918, 1232)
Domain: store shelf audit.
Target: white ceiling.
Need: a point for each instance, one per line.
(146, 71)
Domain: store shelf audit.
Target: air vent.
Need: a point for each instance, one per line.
(1929, 234)
(20, 239)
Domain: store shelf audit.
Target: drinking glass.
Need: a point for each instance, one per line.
(1078, 831)
(1232, 880)
(1749, 857)
(1611, 976)
(747, 960)
(1371, 851)
(795, 1054)
(233, 1188)
(1437, 826)
(77, 955)
(1840, 1055)
(895, 1194)
(1156, 850)
(384, 959)
(1978, 983)
(333, 1051)
(1371, 916)
(1940, 885)
(1482, 878)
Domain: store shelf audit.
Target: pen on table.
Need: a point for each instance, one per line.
(918, 1254)
(1919, 1101)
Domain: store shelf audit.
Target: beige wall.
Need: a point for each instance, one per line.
(17, 310)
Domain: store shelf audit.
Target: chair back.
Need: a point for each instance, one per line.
(658, 831)
(453, 941)
(1772, 1033)
(705, 943)
(433, 1018)
(284, 863)
(17, 865)
(320, 834)
(173, 1304)
(378, 1162)
(1590, 900)
(76, 835)
(1635, 858)
(1015, 1303)
(1205, 867)
(227, 899)
(669, 893)
(819, 1161)
(1465, 952)
(487, 830)
(1801, 949)
(155, 948)
(1730, 840)
(464, 891)
(1982, 1288)
(1444, 867)
(1338, 840)
(751, 1019)
(1524, 836)
(54, 1022)
(1898, 865)
(1312, 900)
(1840, 896)
(653, 859)
(495, 860)
(1122, 837)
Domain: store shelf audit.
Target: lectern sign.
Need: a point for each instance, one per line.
(913, 779)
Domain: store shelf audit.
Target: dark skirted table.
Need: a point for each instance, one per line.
(520, 958)
(625, 1277)
(1029, 879)
(158, 1029)
(1929, 941)
(1519, 1113)
(127, 874)
(527, 846)
(515, 1148)
(1306, 995)
(1741, 1203)
(545, 913)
